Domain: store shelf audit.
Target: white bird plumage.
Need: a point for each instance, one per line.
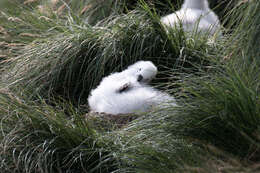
(127, 91)
(194, 14)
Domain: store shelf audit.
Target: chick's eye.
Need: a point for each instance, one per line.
(139, 69)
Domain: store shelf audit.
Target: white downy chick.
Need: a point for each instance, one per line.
(194, 14)
(127, 91)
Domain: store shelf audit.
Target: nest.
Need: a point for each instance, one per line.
(103, 121)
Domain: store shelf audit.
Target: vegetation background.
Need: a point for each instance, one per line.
(53, 52)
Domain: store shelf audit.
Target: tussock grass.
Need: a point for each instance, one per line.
(234, 95)
(218, 106)
(215, 126)
(67, 63)
(224, 111)
(36, 137)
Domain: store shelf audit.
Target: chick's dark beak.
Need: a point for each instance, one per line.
(140, 78)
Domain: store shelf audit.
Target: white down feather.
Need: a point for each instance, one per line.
(194, 14)
(127, 91)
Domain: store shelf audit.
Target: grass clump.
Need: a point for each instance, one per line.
(224, 111)
(215, 126)
(72, 63)
(218, 107)
(36, 137)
